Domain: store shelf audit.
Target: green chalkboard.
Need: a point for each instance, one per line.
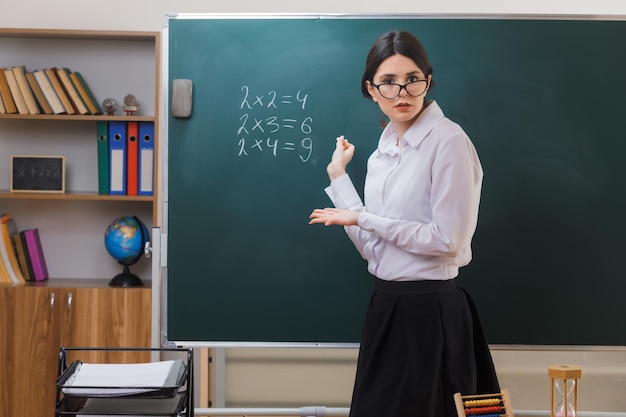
(543, 101)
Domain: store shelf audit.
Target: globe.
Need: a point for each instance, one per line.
(125, 239)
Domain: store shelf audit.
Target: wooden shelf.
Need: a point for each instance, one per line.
(75, 283)
(78, 117)
(78, 34)
(75, 196)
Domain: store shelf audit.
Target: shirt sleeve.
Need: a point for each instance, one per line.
(455, 194)
(344, 195)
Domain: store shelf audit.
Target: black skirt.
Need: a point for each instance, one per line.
(422, 342)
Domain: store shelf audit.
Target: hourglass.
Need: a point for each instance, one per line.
(564, 379)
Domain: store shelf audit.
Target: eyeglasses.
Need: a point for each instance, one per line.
(392, 90)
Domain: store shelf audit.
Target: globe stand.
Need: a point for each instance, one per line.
(126, 279)
(130, 235)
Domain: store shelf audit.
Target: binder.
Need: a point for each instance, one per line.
(102, 137)
(146, 158)
(132, 160)
(35, 251)
(117, 158)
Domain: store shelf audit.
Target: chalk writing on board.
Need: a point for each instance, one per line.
(37, 172)
(275, 123)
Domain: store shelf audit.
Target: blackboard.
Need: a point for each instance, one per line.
(37, 174)
(542, 99)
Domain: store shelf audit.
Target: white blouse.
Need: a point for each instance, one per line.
(421, 201)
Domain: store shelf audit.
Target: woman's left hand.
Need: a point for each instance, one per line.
(330, 216)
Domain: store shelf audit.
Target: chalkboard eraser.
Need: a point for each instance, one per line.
(181, 98)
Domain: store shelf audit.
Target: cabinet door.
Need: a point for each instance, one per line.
(29, 318)
(109, 318)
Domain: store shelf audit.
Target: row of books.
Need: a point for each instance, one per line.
(125, 158)
(47, 91)
(21, 254)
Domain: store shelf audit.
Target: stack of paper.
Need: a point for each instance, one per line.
(117, 380)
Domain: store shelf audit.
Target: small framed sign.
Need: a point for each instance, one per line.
(37, 174)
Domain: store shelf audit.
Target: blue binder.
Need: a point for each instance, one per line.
(117, 158)
(146, 158)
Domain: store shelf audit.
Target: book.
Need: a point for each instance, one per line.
(85, 93)
(49, 92)
(38, 93)
(132, 153)
(9, 257)
(5, 93)
(35, 251)
(3, 109)
(4, 274)
(29, 98)
(29, 262)
(22, 256)
(15, 92)
(58, 88)
(72, 93)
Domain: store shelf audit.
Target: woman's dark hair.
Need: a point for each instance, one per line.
(389, 44)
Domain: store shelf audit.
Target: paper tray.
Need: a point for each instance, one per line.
(116, 406)
(149, 380)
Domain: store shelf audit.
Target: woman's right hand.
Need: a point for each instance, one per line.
(344, 151)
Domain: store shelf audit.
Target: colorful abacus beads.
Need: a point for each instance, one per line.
(482, 402)
(483, 410)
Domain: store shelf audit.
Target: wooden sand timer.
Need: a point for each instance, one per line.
(564, 378)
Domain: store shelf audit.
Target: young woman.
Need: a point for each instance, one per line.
(422, 339)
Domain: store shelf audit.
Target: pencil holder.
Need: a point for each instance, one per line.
(564, 380)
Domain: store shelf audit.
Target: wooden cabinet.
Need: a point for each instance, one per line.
(37, 320)
(29, 319)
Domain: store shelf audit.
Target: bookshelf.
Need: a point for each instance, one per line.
(114, 63)
(75, 306)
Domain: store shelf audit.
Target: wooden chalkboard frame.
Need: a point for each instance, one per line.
(47, 174)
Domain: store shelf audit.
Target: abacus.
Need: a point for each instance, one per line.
(486, 405)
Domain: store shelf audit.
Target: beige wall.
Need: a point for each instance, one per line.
(291, 378)
(299, 377)
(147, 14)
